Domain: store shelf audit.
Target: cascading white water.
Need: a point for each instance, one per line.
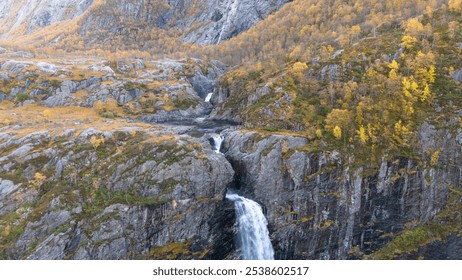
(253, 231)
(217, 140)
(209, 97)
(231, 11)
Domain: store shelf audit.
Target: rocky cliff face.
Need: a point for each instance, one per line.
(201, 22)
(321, 206)
(27, 16)
(136, 194)
(224, 19)
(144, 192)
(77, 181)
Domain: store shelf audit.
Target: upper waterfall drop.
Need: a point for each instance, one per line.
(209, 97)
(253, 231)
(217, 141)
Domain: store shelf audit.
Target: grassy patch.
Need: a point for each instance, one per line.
(447, 222)
(176, 251)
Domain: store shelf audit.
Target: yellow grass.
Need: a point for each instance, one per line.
(278, 132)
(32, 118)
(81, 95)
(163, 139)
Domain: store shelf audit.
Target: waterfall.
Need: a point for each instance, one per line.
(209, 97)
(231, 11)
(253, 233)
(217, 140)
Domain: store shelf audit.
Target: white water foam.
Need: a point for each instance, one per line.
(209, 97)
(253, 231)
(217, 141)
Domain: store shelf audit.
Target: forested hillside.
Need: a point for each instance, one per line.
(371, 84)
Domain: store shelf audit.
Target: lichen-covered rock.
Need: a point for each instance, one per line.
(457, 75)
(155, 91)
(330, 72)
(6, 187)
(15, 67)
(131, 196)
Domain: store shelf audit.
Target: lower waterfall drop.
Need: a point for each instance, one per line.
(253, 232)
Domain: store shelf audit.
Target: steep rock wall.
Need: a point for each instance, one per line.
(322, 207)
(201, 22)
(129, 197)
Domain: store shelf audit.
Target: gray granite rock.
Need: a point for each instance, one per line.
(320, 214)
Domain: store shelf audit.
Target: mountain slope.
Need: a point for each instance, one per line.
(23, 17)
(200, 22)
